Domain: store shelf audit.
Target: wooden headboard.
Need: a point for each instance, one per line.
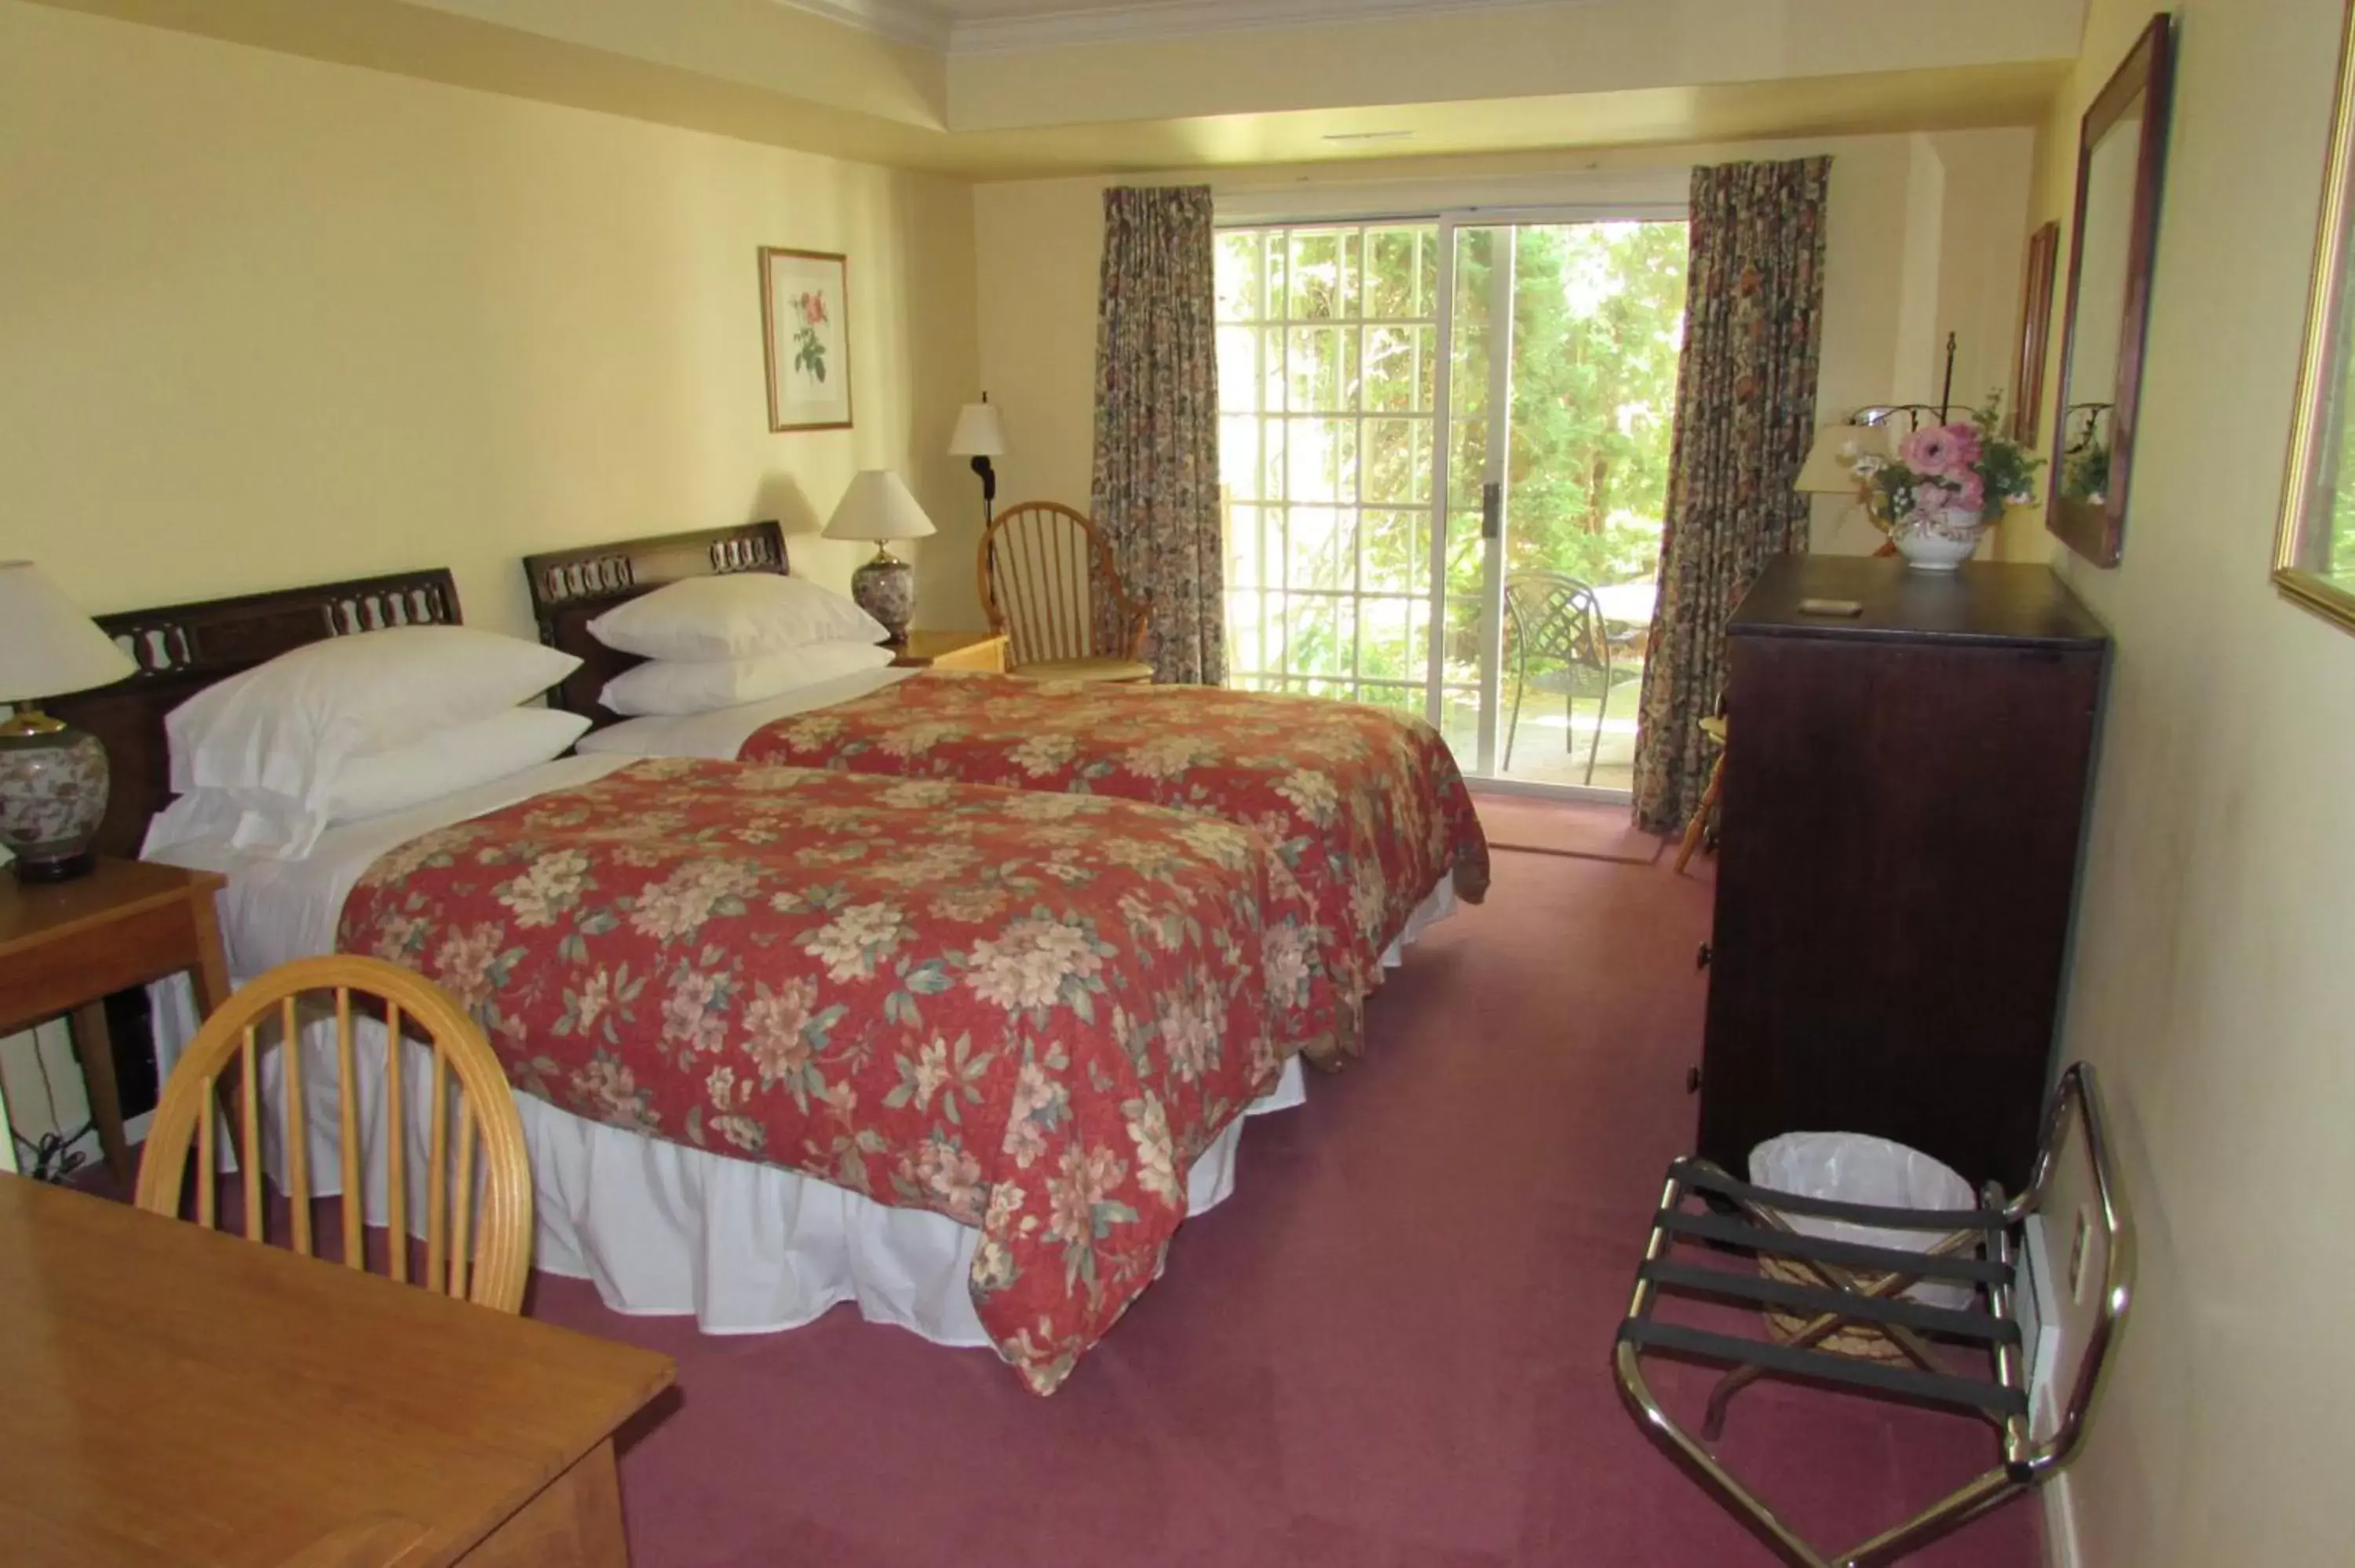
(182, 648)
(571, 587)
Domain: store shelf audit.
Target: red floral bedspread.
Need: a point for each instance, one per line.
(1028, 1012)
(1365, 804)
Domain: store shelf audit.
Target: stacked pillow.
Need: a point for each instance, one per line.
(356, 727)
(712, 642)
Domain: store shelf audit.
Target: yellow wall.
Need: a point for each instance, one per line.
(1915, 224)
(271, 320)
(2209, 980)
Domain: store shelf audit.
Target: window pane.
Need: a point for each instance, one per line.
(1242, 630)
(1242, 547)
(1382, 625)
(1323, 633)
(1319, 554)
(1239, 469)
(1391, 260)
(1322, 372)
(1390, 459)
(1320, 276)
(1272, 375)
(1389, 369)
(1324, 456)
(1239, 382)
(1398, 551)
(1240, 271)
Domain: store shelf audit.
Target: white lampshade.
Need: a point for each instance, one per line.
(877, 506)
(979, 431)
(1826, 470)
(47, 646)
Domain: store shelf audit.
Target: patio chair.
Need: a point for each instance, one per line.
(1859, 1287)
(1552, 620)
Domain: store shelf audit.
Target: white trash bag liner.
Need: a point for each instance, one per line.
(1854, 1167)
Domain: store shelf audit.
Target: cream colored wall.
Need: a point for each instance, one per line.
(2210, 974)
(271, 320)
(1040, 241)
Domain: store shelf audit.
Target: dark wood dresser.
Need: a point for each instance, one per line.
(1904, 790)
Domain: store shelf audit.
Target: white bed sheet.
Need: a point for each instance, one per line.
(659, 1228)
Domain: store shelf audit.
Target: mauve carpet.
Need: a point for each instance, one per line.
(1390, 1349)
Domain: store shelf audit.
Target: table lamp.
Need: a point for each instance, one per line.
(52, 776)
(981, 436)
(877, 506)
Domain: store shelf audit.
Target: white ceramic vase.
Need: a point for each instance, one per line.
(1938, 540)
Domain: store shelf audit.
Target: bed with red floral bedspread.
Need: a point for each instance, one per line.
(1365, 804)
(1028, 1013)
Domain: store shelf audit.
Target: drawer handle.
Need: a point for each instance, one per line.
(1701, 955)
(1692, 1080)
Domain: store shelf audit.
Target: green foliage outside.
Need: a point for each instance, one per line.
(1332, 332)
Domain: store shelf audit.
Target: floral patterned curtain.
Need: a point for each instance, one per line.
(1745, 414)
(1156, 458)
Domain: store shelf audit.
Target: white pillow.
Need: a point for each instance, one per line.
(451, 760)
(733, 617)
(672, 687)
(371, 786)
(287, 726)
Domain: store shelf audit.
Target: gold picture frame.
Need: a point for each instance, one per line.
(2314, 545)
(805, 337)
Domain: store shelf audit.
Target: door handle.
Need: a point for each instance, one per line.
(1492, 511)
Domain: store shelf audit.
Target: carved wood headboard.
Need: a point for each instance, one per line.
(182, 648)
(571, 587)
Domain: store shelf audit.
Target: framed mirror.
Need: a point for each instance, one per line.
(2121, 153)
(2314, 554)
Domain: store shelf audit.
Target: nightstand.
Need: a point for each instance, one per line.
(952, 650)
(64, 946)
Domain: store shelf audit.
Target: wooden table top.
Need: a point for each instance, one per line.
(173, 1396)
(38, 911)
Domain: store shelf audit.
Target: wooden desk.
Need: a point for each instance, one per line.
(64, 945)
(952, 650)
(173, 1396)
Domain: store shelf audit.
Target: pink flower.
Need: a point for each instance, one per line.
(1928, 497)
(1947, 451)
(1970, 493)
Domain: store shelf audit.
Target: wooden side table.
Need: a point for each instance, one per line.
(66, 946)
(952, 650)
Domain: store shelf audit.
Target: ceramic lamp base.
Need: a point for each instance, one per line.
(885, 588)
(52, 797)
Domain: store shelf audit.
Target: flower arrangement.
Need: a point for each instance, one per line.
(809, 349)
(1953, 478)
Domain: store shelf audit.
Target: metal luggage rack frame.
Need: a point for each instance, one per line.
(1862, 1285)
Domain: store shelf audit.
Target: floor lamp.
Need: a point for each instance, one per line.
(981, 436)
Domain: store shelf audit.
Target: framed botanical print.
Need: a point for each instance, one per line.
(806, 319)
(2314, 551)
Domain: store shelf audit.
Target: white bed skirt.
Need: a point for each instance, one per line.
(662, 1229)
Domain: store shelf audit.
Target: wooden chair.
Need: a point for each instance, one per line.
(496, 1242)
(1714, 728)
(1042, 567)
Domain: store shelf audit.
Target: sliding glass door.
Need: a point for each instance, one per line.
(1495, 577)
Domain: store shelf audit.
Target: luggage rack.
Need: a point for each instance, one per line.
(1858, 1285)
